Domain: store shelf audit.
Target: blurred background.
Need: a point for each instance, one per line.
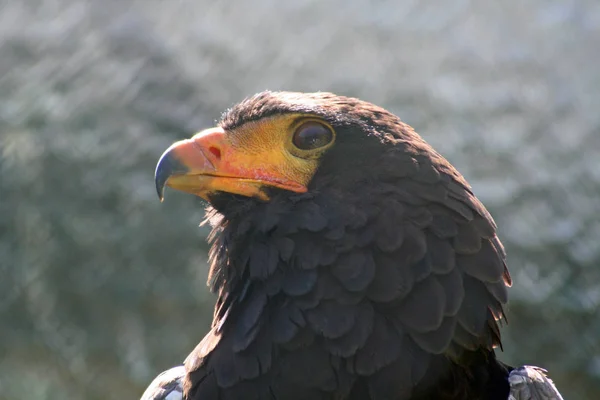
(102, 287)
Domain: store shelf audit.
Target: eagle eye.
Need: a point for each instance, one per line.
(312, 135)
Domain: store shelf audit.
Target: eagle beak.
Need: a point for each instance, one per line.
(209, 163)
(187, 165)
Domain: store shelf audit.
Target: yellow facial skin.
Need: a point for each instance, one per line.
(243, 160)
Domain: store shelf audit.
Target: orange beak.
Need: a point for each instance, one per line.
(209, 163)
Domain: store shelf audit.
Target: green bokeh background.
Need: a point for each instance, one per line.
(102, 287)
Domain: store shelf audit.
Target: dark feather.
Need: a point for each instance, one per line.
(331, 319)
(498, 290)
(422, 268)
(303, 338)
(349, 343)
(436, 341)
(309, 367)
(421, 217)
(393, 381)
(453, 290)
(415, 244)
(423, 309)
(355, 270)
(246, 327)
(286, 320)
(427, 172)
(392, 279)
(297, 282)
(382, 347)
(472, 315)
(263, 260)
(443, 226)
(485, 265)
(285, 246)
(460, 208)
(468, 240)
(311, 217)
(441, 254)
(390, 235)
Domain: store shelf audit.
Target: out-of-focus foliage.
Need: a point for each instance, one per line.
(102, 287)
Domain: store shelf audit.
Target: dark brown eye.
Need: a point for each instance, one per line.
(312, 135)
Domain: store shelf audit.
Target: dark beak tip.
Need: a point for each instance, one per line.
(160, 180)
(167, 166)
(160, 191)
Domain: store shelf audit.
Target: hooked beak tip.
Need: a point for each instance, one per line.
(167, 166)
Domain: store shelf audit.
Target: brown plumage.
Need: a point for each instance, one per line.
(362, 268)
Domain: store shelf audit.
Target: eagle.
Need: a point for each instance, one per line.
(350, 260)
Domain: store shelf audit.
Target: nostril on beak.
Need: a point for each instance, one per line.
(215, 151)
